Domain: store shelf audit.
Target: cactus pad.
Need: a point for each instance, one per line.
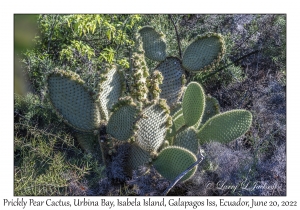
(172, 86)
(136, 157)
(204, 53)
(177, 117)
(87, 141)
(110, 90)
(212, 108)
(178, 121)
(225, 127)
(193, 104)
(73, 101)
(171, 132)
(187, 139)
(152, 127)
(153, 44)
(121, 122)
(173, 160)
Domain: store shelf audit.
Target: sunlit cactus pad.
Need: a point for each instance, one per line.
(193, 104)
(137, 157)
(173, 160)
(204, 53)
(152, 127)
(122, 121)
(171, 88)
(110, 89)
(225, 127)
(187, 139)
(73, 101)
(153, 44)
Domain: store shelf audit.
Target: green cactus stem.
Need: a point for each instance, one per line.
(138, 79)
(155, 81)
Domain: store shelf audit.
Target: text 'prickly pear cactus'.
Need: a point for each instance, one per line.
(154, 111)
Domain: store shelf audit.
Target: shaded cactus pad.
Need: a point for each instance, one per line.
(193, 104)
(87, 141)
(173, 160)
(212, 108)
(73, 101)
(177, 117)
(204, 53)
(137, 157)
(225, 127)
(121, 122)
(153, 44)
(187, 139)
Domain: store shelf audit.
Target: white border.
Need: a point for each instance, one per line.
(9, 8)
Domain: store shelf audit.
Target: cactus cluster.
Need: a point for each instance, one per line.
(154, 111)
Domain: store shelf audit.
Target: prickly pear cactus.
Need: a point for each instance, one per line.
(164, 121)
(202, 54)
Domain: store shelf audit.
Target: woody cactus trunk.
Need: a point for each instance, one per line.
(162, 119)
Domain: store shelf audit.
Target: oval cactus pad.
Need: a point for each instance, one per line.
(204, 53)
(152, 128)
(171, 88)
(225, 127)
(193, 104)
(73, 101)
(153, 44)
(121, 122)
(173, 160)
